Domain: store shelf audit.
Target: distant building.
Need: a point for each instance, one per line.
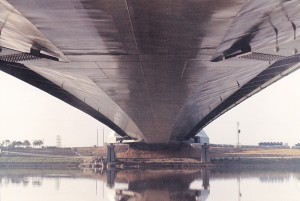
(58, 141)
(297, 146)
(273, 144)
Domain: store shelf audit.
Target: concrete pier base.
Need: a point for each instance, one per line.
(135, 154)
(205, 154)
(111, 155)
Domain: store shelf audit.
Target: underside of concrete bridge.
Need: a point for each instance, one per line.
(157, 71)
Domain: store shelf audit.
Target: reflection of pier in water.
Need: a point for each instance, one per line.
(173, 185)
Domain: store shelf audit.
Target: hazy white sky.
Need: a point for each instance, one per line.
(270, 115)
(29, 113)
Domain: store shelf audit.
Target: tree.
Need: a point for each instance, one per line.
(13, 144)
(38, 143)
(7, 143)
(19, 144)
(34, 143)
(26, 143)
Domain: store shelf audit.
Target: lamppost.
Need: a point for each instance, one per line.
(238, 134)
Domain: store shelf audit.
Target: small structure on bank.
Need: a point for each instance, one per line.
(115, 138)
(200, 138)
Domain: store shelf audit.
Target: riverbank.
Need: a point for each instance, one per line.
(254, 164)
(223, 163)
(40, 162)
(137, 157)
(229, 152)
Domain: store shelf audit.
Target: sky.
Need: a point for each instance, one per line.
(272, 115)
(27, 113)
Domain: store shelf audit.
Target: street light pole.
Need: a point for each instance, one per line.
(97, 137)
(103, 137)
(238, 134)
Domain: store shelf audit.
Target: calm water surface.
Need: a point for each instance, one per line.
(163, 185)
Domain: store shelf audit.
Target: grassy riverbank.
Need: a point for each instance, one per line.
(255, 158)
(39, 162)
(154, 158)
(257, 164)
(223, 152)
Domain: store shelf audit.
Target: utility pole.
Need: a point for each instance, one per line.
(97, 137)
(238, 134)
(103, 137)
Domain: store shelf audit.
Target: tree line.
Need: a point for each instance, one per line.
(25, 144)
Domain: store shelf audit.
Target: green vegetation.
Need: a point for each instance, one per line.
(26, 143)
(39, 162)
(5, 159)
(17, 144)
(37, 143)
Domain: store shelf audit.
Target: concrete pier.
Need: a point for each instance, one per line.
(205, 154)
(111, 155)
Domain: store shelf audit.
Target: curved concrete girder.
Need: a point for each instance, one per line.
(17, 33)
(152, 58)
(143, 48)
(86, 90)
(82, 94)
(214, 88)
(269, 36)
(245, 90)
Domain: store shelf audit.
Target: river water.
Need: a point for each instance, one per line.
(159, 185)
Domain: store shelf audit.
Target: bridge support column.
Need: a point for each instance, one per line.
(205, 153)
(111, 155)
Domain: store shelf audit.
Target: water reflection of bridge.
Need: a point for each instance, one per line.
(148, 185)
(162, 185)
